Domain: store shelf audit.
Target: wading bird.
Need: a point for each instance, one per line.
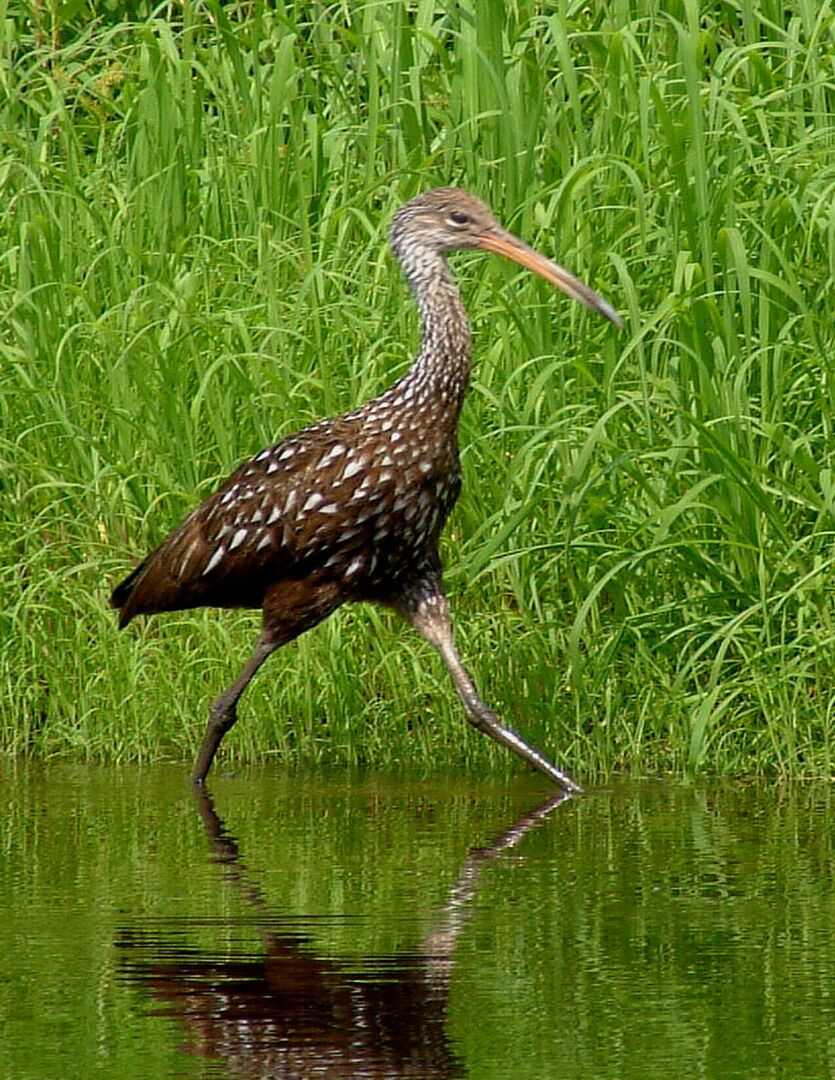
(351, 508)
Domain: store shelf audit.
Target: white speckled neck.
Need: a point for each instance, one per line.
(440, 373)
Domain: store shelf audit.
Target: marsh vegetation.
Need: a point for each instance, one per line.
(195, 203)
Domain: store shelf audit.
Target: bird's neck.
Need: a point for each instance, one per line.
(442, 365)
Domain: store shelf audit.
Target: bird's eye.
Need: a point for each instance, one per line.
(458, 217)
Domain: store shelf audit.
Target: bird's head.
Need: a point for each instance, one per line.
(448, 219)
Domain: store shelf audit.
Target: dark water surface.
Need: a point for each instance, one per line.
(370, 926)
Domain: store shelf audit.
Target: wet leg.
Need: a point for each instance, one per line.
(427, 610)
(290, 608)
(223, 712)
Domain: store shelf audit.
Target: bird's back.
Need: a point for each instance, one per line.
(358, 501)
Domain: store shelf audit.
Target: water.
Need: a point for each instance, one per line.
(374, 926)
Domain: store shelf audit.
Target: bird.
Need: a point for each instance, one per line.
(351, 508)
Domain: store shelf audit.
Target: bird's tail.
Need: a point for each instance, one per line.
(121, 596)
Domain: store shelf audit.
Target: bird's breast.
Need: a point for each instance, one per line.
(374, 520)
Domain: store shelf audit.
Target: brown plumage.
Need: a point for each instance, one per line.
(351, 508)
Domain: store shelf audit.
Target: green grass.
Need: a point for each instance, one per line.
(193, 262)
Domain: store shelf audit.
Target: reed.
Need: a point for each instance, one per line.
(193, 263)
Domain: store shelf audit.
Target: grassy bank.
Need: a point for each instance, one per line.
(193, 262)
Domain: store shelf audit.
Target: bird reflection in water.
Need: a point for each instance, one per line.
(289, 1012)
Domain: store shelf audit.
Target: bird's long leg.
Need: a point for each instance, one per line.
(290, 608)
(428, 612)
(223, 712)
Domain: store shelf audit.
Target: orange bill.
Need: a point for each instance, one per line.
(505, 243)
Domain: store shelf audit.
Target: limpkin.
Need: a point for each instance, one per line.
(351, 508)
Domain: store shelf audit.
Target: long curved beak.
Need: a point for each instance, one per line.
(505, 243)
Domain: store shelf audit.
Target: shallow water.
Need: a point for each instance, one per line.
(376, 926)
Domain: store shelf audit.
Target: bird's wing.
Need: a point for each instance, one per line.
(305, 503)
